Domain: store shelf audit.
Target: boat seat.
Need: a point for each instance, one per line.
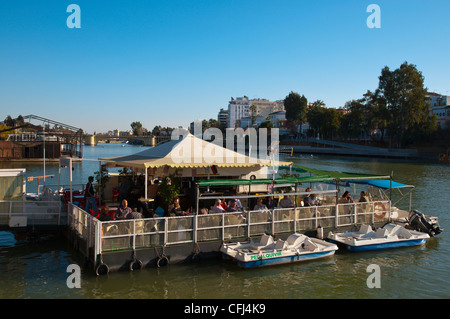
(403, 233)
(399, 231)
(265, 241)
(381, 233)
(365, 229)
(280, 245)
(295, 240)
(308, 244)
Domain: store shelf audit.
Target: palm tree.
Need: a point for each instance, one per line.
(253, 109)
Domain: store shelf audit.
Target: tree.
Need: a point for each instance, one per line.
(331, 122)
(354, 122)
(136, 127)
(156, 130)
(404, 93)
(315, 119)
(9, 121)
(253, 109)
(296, 108)
(378, 114)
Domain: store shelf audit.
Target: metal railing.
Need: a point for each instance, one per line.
(108, 236)
(36, 212)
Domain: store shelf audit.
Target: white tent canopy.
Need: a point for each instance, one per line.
(189, 152)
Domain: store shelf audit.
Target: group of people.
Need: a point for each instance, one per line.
(234, 205)
(122, 212)
(347, 197)
(220, 205)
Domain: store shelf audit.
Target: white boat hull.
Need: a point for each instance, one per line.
(247, 256)
(388, 237)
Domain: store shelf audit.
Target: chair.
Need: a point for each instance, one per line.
(115, 194)
(94, 213)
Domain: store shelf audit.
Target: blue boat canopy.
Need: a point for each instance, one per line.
(382, 183)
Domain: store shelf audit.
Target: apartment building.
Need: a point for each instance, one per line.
(241, 108)
(440, 105)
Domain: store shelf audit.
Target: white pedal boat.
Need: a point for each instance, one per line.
(296, 247)
(388, 236)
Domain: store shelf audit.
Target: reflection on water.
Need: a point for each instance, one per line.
(39, 270)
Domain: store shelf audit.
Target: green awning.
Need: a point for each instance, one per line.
(287, 180)
(342, 176)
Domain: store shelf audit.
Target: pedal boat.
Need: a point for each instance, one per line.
(296, 247)
(386, 237)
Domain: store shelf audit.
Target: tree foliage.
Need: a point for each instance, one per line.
(136, 127)
(404, 95)
(296, 107)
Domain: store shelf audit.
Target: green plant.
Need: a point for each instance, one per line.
(169, 188)
(102, 178)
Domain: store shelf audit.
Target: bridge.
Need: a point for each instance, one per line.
(147, 140)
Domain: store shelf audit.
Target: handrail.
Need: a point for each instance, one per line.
(336, 215)
(34, 210)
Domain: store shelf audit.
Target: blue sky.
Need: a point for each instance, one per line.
(171, 62)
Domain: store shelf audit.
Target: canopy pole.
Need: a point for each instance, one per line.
(146, 181)
(197, 199)
(99, 183)
(337, 193)
(390, 186)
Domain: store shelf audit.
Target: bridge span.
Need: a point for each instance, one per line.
(148, 140)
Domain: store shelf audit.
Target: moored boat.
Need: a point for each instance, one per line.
(297, 247)
(388, 236)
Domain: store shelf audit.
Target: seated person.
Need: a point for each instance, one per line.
(233, 206)
(363, 197)
(217, 207)
(158, 212)
(346, 197)
(271, 203)
(238, 203)
(311, 200)
(123, 210)
(223, 204)
(104, 217)
(170, 210)
(259, 205)
(133, 215)
(176, 210)
(286, 202)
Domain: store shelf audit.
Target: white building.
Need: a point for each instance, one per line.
(222, 117)
(240, 107)
(265, 107)
(440, 105)
(237, 109)
(247, 122)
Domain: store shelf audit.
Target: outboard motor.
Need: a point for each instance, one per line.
(424, 223)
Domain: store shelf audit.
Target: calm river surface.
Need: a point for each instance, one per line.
(38, 270)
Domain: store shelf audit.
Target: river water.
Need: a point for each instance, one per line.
(39, 270)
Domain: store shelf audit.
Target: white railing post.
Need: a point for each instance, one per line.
(134, 235)
(295, 218)
(248, 224)
(194, 229)
(223, 227)
(337, 216)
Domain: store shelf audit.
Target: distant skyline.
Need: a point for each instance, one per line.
(169, 63)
